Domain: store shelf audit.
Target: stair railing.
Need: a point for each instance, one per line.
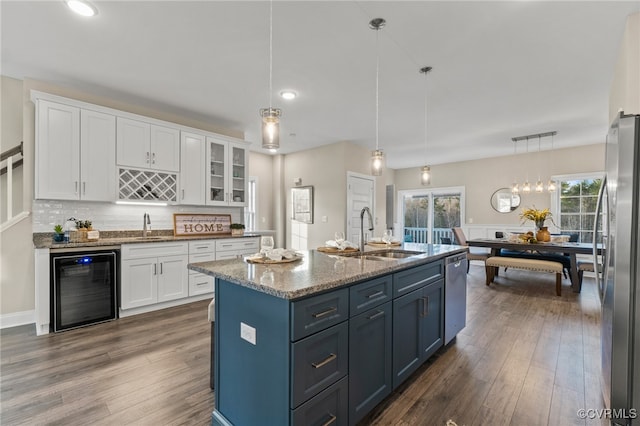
(9, 156)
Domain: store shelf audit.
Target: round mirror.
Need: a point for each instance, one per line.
(503, 201)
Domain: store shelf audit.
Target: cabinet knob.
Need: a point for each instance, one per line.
(147, 157)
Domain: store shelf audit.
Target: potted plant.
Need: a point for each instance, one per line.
(538, 217)
(58, 235)
(83, 226)
(237, 229)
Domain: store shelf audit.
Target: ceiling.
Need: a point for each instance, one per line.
(500, 69)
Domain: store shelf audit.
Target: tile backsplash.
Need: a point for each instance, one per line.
(116, 217)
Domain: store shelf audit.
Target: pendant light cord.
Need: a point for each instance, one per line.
(426, 151)
(270, 51)
(377, 80)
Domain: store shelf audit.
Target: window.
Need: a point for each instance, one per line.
(250, 208)
(577, 200)
(429, 215)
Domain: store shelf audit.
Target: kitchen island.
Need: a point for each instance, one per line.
(326, 338)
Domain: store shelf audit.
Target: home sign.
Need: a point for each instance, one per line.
(185, 224)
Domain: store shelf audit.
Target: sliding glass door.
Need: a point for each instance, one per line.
(427, 216)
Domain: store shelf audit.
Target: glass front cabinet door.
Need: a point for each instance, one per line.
(227, 173)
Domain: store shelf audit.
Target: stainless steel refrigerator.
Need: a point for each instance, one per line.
(619, 211)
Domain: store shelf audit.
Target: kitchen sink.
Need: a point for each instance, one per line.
(394, 254)
(384, 254)
(365, 257)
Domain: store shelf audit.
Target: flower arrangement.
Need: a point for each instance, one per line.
(537, 216)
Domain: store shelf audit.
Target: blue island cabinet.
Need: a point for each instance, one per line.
(327, 359)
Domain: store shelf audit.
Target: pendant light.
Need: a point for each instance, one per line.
(377, 156)
(270, 116)
(425, 173)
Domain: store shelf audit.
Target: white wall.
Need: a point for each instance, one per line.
(625, 88)
(325, 168)
(482, 177)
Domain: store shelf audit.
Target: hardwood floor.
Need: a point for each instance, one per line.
(526, 357)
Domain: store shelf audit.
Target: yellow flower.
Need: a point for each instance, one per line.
(535, 215)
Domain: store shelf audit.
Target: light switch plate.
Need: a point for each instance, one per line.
(248, 333)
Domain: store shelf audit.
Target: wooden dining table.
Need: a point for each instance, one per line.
(566, 248)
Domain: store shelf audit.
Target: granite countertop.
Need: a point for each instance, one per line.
(114, 238)
(316, 271)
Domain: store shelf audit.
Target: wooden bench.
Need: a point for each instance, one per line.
(495, 262)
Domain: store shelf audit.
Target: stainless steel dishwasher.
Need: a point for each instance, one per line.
(455, 296)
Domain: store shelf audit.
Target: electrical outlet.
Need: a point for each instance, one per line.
(248, 333)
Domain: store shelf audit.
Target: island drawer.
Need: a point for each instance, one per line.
(319, 361)
(369, 294)
(411, 279)
(329, 407)
(319, 312)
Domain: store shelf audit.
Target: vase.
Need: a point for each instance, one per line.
(543, 234)
(237, 232)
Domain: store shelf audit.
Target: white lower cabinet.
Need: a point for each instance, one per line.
(201, 251)
(153, 273)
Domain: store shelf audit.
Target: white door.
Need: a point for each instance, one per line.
(58, 152)
(192, 176)
(133, 141)
(98, 154)
(139, 285)
(360, 194)
(165, 148)
(173, 278)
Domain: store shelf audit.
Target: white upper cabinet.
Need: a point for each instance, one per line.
(226, 173)
(165, 148)
(98, 156)
(75, 153)
(192, 174)
(148, 146)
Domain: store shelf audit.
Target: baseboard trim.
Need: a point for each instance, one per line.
(17, 318)
(162, 305)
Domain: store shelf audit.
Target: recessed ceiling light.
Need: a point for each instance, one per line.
(82, 7)
(288, 94)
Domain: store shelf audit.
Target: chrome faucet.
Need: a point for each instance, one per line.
(146, 220)
(364, 209)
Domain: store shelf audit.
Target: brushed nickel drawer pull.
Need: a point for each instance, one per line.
(376, 315)
(324, 362)
(376, 294)
(324, 313)
(330, 421)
